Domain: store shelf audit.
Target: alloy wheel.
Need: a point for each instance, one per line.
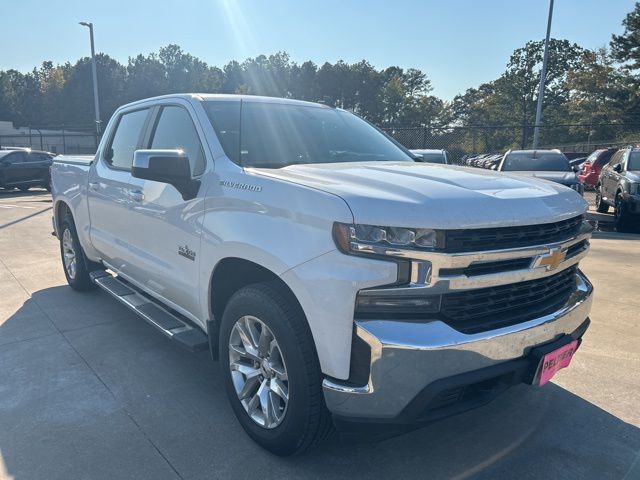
(258, 371)
(69, 254)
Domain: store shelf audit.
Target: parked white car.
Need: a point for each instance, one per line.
(337, 281)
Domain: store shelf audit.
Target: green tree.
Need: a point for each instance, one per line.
(626, 47)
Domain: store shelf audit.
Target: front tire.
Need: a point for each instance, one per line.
(601, 207)
(271, 370)
(73, 260)
(620, 214)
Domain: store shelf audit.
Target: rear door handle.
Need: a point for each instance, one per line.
(94, 186)
(136, 195)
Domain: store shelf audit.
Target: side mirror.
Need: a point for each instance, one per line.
(166, 166)
(617, 168)
(576, 168)
(418, 157)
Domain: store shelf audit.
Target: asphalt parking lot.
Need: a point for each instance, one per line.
(88, 390)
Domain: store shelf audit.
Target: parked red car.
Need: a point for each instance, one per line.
(593, 165)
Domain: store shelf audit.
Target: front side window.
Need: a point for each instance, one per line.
(617, 157)
(633, 164)
(605, 157)
(175, 130)
(126, 139)
(225, 118)
(275, 135)
(17, 157)
(540, 162)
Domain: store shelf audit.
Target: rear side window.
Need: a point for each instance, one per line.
(175, 130)
(39, 157)
(126, 139)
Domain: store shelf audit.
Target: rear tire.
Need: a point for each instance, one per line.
(74, 262)
(601, 207)
(302, 421)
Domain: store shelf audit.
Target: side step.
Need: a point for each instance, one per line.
(174, 327)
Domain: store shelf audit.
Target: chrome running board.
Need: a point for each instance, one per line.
(171, 324)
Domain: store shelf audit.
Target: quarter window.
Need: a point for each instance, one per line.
(175, 130)
(126, 139)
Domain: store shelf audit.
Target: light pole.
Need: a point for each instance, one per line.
(95, 75)
(543, 77)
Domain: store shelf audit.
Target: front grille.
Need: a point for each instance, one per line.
(484, 309)
(511, 237)
(487, 268)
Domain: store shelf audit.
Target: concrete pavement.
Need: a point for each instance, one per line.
(88, 390)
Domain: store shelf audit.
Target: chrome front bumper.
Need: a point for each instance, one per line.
(406, 357)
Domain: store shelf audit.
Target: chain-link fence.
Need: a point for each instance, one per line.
(468, 140)
(460, 141)
(80, 139)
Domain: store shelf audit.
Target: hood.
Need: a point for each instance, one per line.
(563, 178)
(408, 194)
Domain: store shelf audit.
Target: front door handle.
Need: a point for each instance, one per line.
(94, 186)
(136, 195)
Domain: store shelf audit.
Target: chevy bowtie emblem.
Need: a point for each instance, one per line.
(551, 260)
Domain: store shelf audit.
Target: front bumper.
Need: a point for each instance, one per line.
(414, 366)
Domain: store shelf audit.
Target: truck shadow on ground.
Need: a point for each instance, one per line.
(89, 389)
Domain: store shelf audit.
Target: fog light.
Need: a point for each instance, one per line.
(369, 303)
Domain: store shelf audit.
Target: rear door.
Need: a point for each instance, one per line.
(38, 167)
(165, 242)
(109, 188)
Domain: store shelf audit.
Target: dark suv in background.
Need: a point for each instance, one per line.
(618, 187)
(24, 169)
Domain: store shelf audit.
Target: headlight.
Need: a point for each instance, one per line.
(385, 240)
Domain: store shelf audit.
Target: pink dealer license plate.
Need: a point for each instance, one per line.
(554, 361)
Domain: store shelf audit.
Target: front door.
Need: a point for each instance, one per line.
(608, 176)
(14, 168)
(109, 190)
(165, 238)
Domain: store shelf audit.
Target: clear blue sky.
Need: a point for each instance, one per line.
(458, 43)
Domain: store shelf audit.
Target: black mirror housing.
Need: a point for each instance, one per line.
(166, 166)
(617, 168)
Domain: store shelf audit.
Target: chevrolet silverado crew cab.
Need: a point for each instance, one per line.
(339, 283)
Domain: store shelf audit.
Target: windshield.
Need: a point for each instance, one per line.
(432, 157)
(543, 161)
(275, 135)
(634, 161)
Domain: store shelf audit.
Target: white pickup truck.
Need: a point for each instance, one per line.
(338, 282)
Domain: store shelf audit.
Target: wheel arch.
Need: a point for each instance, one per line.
(229, 275)
(61, 208)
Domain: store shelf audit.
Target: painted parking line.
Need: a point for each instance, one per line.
(4, 205)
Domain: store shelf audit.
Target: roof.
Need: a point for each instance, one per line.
(554, 150)
(4, 152)
(222, 97)
(427, 150)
